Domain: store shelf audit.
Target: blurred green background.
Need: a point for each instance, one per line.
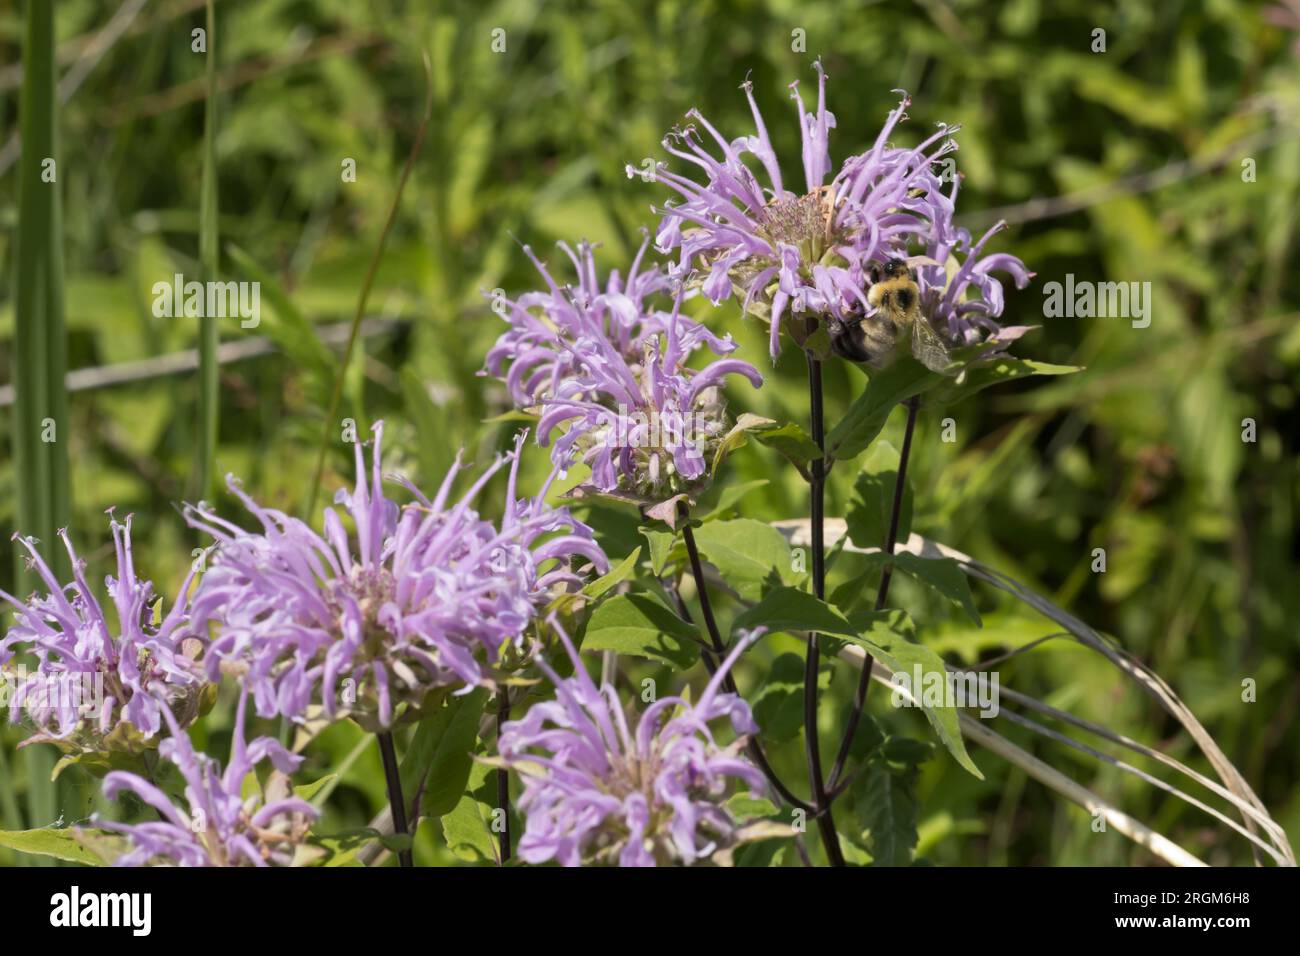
(1122, 165)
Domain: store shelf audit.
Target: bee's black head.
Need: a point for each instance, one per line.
(891, 269)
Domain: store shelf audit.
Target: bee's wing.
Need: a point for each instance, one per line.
(928, 347)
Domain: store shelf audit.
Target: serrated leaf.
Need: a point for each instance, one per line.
(736, 438)
(441, 750)
(62, 844)
(778, 705)
(905, 658)
(1002, 368)
(791, 441)
(467, 827)
(787, 438)
(731, 494)
(866, 417)
(792, 609)
(886, 808)
(308, 790)
(642, 625)
(943, 575)
(748, 554)
(742, 808)
(661, 548)
(614, 577)
(873, 499)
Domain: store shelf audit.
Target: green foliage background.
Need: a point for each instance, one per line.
(1141, 454)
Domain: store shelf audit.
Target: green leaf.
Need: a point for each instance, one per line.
(731, 494)
(748, 554)
(614, 577)
(1003, 368)
(906, 750)
(778, 705)
(945, 576)
(513, 415)
(791, 441)
(737, 437)
(467, 827)
(340, 849)
(308, 790)
(62, 844)
(866, 416)
(742, 808)
(793, 609)
(642, 625)
(873, 499)
(886, 807)
(442, 747)
(661, 547)
(913, 661)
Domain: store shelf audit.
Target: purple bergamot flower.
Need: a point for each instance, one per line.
(810, 250)
(101, 683)
(420, 597)
(959, 296)
(600, 791)
(647, 429)
(552, 330)
(218, 825)
(608, 370)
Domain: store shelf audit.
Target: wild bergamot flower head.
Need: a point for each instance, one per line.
(808, 249)
(217, 825)
(423, 596)
(602, 788)
(101, 681)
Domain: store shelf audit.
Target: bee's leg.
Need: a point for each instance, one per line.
(852, 347)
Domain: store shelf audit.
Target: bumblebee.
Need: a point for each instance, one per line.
(876, 339)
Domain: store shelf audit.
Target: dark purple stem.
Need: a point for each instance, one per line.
(503, 778)
(395, 800)
(882, 595)
(812, 657)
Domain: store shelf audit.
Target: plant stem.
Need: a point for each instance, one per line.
(812, 656)
(503, 778)
(711, 662)
(395, 800)
(882, 594)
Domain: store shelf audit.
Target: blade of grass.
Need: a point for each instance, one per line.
(11, 817)
(40, 351)
(341, 377)
(209, 337)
